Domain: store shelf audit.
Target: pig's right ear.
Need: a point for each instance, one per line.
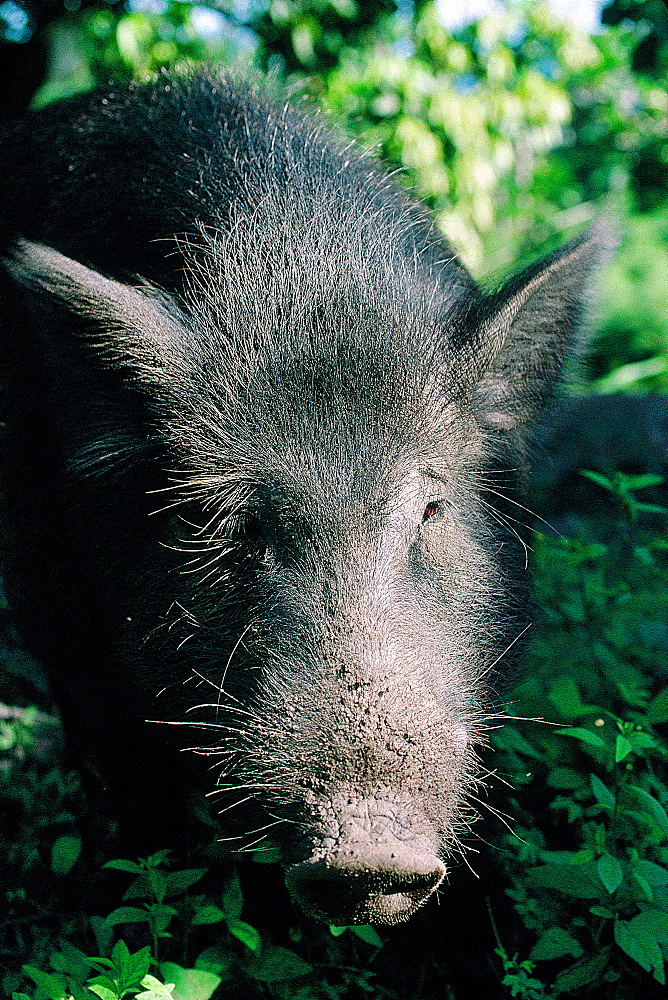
(138, 326)
(528, 331)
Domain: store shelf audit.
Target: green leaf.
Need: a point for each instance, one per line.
(233, 900)
(158, 883)
(565, 695)
(103, 992)
(104, 986)
(654, 922)
(267, 855)
(72, 962)
(103, 934)
(139, 888)
(564, 778)
(657, 711)
(218, 960)
(567, 857)
(209, 914)
(641, 947)
(555, 943)
(643, 481)
(190, 984)
(127, 915)
(600, 837)
(65, 854)
(581, 881)
(584, 735)
(652, 806)
(510, 739)
(276, 964)
(337, 931)
(587, 970)
(654, 874)
(161, 917)
(50, 986)
(642, 741)
(139, 965)
(120, 956)
(652, 508)
(602, 911)
(602, 793)
(155, 990)
(644, 887)
(634, 693)
(125, 970)
(599, 479)
(158, 859)
(178, 882)
(122, 865)
(610, 872)
(368, 934)
(246, 934)
(622, 749)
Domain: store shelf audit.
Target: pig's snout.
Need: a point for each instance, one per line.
(370, 884)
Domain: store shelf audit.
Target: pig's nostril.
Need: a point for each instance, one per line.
(343, 891)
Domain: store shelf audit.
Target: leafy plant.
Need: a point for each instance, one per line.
(164, 901)
(166, 912)
(591, 866)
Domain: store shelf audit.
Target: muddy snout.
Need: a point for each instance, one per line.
(379, 888)
(370, 875)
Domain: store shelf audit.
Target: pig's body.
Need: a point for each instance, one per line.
(268, 482)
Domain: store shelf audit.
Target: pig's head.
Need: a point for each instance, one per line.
(340, 426)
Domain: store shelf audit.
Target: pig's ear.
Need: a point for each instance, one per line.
(139, 326)
(529, 332)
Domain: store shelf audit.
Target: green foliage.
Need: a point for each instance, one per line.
(137, 946)
(65, 853)
(510, 127)
(472, 118)
(514, 129)
(142, 36)
(518, 979)
(632, 348)
(625, 489)
(121, 972)
(590, 869)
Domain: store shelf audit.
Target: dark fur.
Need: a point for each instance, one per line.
(266, 456)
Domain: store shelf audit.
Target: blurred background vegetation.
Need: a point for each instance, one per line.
(517, 123)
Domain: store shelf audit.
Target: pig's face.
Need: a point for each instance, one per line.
(353, 581)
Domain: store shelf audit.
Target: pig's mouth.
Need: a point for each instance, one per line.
(372, 887)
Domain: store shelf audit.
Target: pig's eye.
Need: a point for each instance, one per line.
(432, 509)
(253, 531)
(246, 530)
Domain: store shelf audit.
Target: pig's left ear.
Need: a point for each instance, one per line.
(529, 331)
(136, 325)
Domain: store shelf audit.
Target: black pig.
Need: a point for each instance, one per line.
(264, 449)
